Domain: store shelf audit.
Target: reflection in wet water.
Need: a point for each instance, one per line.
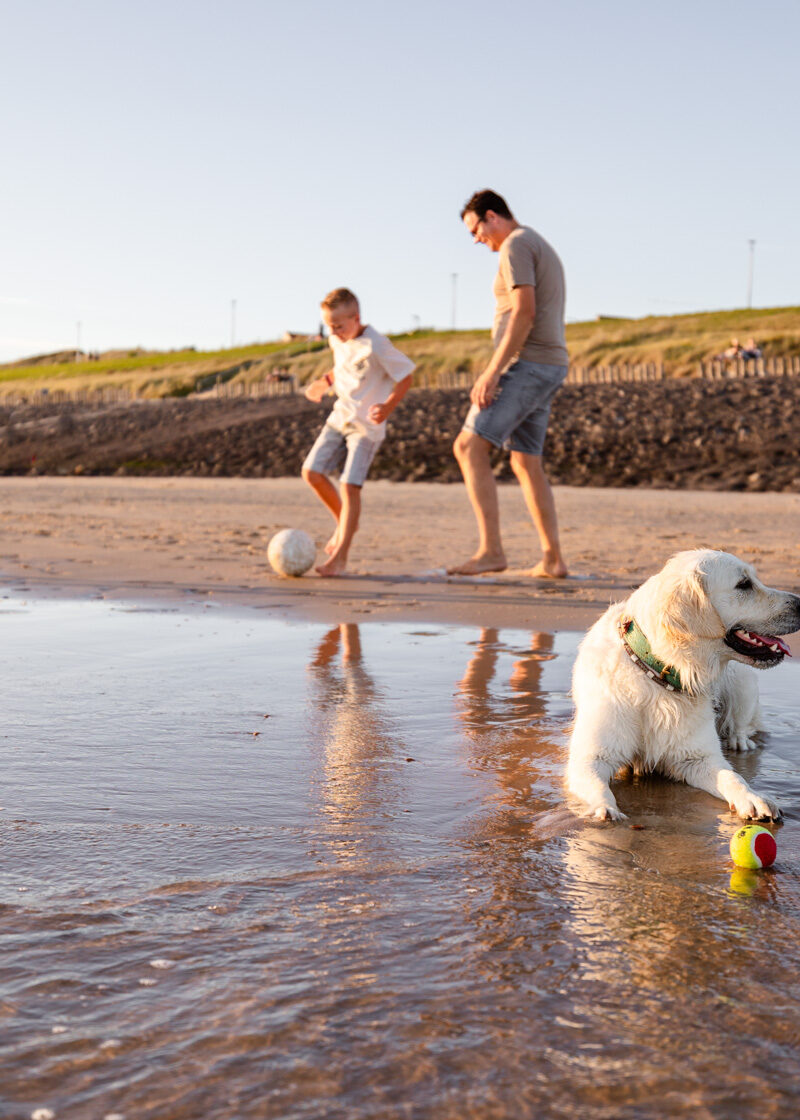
(253, 869)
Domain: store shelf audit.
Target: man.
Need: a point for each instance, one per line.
(511, 398)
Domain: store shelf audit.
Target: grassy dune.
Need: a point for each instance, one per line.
(679, 341)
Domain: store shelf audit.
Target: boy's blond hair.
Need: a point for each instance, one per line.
(339, 297)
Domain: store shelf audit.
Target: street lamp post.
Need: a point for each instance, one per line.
(750, 264)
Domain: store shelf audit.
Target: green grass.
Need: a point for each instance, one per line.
(153, 361)
(679, 341)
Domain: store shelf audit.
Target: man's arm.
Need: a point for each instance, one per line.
(316, 390)
(523, 312)
(379, 412)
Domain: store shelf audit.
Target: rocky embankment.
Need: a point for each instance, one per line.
(720, 435)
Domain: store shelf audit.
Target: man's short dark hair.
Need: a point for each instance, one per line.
(483, 201)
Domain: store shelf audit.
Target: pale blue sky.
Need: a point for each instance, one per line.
(161, 159)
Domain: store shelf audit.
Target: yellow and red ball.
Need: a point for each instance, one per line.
(753, 846)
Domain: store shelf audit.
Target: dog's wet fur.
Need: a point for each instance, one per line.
(708, 615)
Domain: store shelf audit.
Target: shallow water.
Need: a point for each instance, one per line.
(260, 869)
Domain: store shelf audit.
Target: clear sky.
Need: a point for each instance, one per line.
(161, 159)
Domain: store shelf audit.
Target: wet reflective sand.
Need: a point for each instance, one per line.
(261, 869)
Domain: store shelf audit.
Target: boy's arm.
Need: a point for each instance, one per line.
(379, 412)
(399, 367)
(316, 390)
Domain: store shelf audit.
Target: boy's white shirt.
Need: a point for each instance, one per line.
(365, 371)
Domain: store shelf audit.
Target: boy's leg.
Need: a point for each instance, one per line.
(472, 453)
(348, 524)
(360, 453)
(325, 491)
(326, 456)
(542, 508)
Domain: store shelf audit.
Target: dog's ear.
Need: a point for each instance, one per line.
(682, 613)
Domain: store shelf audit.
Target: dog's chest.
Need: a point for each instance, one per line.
(670, 731)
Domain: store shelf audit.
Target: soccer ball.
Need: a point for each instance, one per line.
(291, 552)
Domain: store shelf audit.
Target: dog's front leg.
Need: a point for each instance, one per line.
(591, 766)
(738, 714)
(708, 770)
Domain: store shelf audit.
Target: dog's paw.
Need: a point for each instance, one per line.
(740, 743)
(753, 807)
(607, 813)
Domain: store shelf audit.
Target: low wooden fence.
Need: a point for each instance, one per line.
(227, 390)
(577, 375)
(281, 383)
(749, 367)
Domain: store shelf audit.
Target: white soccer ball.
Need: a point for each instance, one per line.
(291, 552)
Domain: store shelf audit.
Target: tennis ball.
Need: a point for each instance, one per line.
(753, 846)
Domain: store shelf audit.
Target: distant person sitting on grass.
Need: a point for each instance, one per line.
(369, 377)
(751, 350)
(734, 350)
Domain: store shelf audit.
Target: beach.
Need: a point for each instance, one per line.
(183, 537)
(302, 847)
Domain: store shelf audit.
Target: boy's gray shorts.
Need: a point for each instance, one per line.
(517, 417)
(347, 454)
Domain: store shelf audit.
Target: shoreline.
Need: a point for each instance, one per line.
(186, 540)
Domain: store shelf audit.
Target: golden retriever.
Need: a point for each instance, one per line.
(661, 677)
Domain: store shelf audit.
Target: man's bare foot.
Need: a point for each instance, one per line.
(333, 567)
(480, 564)
(332, 544)
(549, 570)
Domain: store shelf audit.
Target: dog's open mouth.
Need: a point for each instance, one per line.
(766, 649)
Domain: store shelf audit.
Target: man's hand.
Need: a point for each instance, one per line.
(523, 311)
(484, 389)
(379, 412)
(316, 390)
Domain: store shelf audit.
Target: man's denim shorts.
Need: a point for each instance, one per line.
(348, 454)
(517, 417)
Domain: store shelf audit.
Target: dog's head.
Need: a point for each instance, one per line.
(706, 606)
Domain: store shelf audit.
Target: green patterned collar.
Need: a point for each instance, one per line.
(638, 649)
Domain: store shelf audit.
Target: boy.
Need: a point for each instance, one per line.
(370, 377)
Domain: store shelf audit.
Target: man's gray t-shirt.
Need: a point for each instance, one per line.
(526, 258)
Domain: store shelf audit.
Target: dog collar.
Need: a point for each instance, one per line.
(638, 649)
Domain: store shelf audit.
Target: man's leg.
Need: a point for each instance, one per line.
(329, 495)
(542, 508)
(472, 453)
(348, 523)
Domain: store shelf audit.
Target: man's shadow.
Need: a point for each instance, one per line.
(506, 726)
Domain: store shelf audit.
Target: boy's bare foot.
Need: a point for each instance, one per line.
(478, 565)
(549, 570)
(332, 544)
(333, 567)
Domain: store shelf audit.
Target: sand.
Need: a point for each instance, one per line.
(179, 538)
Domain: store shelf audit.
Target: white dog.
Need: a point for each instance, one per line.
(657, 681)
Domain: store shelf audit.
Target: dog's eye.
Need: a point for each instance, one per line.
(744, 584)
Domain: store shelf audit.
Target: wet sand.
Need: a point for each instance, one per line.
(179, 538)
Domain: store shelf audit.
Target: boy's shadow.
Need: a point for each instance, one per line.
(361, 753)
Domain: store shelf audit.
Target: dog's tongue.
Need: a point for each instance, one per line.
(771, 641)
